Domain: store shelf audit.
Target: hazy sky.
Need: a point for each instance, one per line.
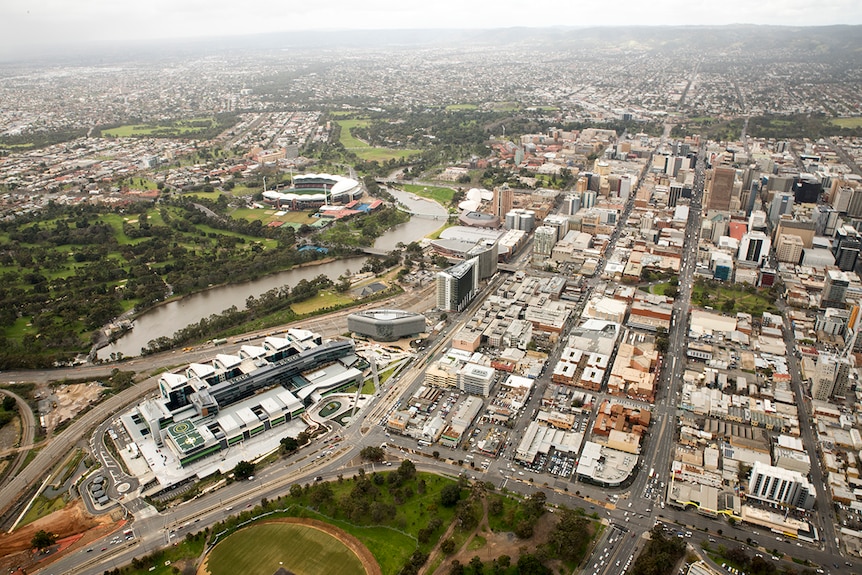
(28, 23)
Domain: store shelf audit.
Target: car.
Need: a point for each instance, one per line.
(90, 550)
(319, 478)
(104, 548)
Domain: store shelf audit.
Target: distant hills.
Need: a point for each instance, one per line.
(816, 42)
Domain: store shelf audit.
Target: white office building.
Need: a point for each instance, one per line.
(782, 487)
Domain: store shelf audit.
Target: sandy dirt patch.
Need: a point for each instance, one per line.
(69, 400)
(72, 525)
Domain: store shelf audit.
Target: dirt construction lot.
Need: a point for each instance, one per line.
(73, 527)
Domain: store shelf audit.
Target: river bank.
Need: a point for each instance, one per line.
(125, 323)
(169, 317)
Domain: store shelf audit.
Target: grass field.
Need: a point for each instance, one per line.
(266, 216)
(324, 299)
(347, 139)
(659, 288)
(362, 149)
(42, 507)
(262, 549)
(204, 195)
(458, 107)
(854, 122)
(729, 299)
(178, 128)
(439, 194)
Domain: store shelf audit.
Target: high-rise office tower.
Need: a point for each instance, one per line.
(835, 286)
(721, 188)
(846, 247)
(782, 203)
(754, 247)
(502, 202)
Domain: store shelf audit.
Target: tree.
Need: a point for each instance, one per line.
(372, 453)
(570, 535)
(9, 403)
(448, 546)
(303, 438)
(407, 470)
(476, 565)
(289, 445)
(450, 495)
(501, 564)
(243, 470)
(43, 539)
(524, 529)
(530, 565)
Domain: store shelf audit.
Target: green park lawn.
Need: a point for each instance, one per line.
(729, 299)
(268, 215)
(263, 549)
(854, 122)
(362, 149)
(177, 128)
(441, 195)
(347, 139)
(323, 300)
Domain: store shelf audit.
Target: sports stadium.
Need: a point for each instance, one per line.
(310, 191)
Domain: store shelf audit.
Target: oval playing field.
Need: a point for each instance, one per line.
(302, 547)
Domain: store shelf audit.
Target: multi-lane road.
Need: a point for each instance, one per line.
(635, 511)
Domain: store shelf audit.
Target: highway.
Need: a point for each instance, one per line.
(15, 488)
(28, 434)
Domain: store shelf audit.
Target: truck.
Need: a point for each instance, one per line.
(220, 341)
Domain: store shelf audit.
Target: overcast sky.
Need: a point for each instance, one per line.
(28, 23)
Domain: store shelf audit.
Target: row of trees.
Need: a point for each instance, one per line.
(660, 555)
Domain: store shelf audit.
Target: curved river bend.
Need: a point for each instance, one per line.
(167, 319)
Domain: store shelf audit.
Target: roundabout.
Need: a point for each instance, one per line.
(299, 546)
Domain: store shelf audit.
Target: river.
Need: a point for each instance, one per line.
(167, 319)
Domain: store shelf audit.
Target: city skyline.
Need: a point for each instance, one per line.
(52, 23)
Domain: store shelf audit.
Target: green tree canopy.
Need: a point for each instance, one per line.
(43, 539)
(243, 470)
